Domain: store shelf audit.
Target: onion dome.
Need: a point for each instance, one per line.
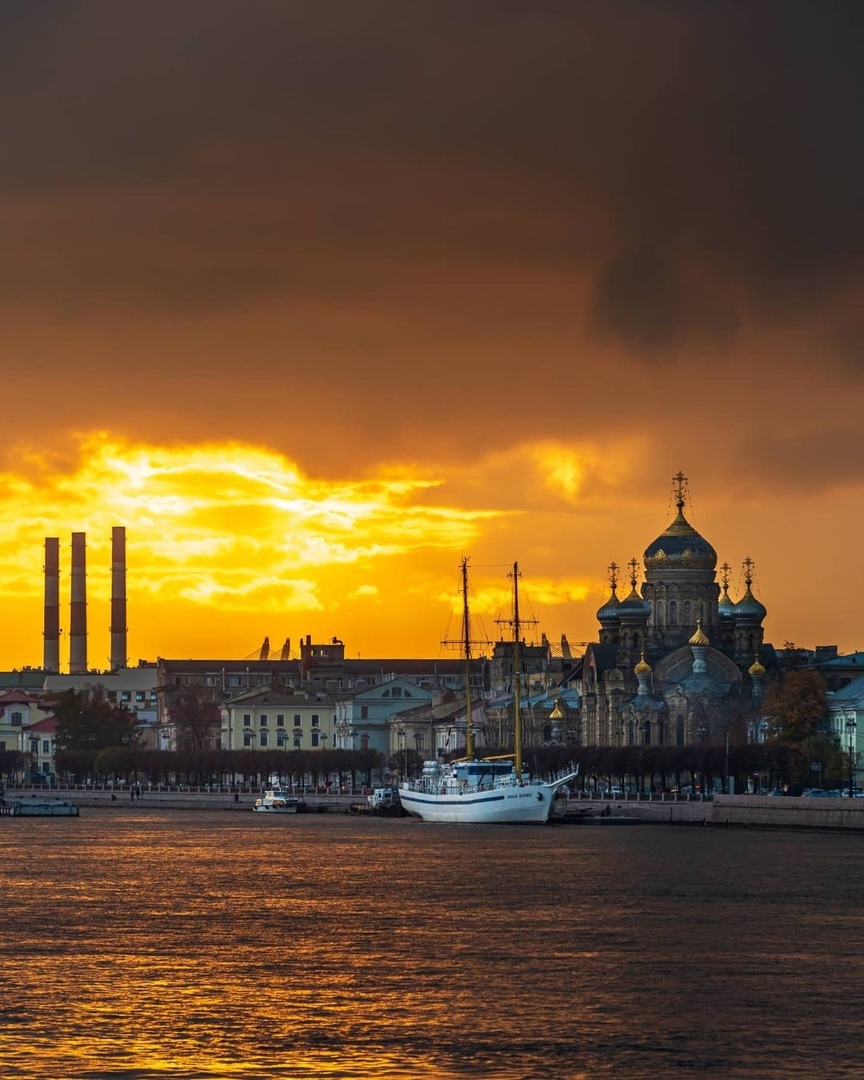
(748, 607)
(699, 637)
(680, 546)
(556, 713)
(643, 667)
(725, 605)
(756, 670)
(608, 613)
(634, 607)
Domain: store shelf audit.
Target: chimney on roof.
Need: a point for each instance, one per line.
(51, 642)
(118, 598)
(78, 606)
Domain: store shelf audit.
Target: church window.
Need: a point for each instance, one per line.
(688, 613)
(679, 731)
(660, 613)
(673, 612)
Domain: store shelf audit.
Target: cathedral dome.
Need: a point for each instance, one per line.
(756, 669)
(634, 607)
(643, 667)
(699, 638)
(680, 546)
(609, 611)
(726, 605)
(748, 607)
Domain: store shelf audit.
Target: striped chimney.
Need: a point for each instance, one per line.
(118, 598)
(51, 643)
(78, 613)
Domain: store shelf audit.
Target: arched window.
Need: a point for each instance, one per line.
(673, 612)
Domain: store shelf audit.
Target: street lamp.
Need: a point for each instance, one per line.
(851, 727)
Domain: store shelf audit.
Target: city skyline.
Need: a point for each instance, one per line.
(315, 300)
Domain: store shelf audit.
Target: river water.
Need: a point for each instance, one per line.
(145, 944)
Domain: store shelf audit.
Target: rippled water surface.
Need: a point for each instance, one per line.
(215, 944)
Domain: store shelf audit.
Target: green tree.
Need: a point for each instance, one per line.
(87, 720)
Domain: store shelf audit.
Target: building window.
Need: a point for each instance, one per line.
(46, 746)
(126, 695)
(247, 719)
(247, 738)
(263, 719)
(364, 712)
(211, 680)
(154, 696)
(235, 680)
(314, 720)
(262, 739)
(280, 719)
(16, 719)
(297, 742)
(139, 695)
(314, 738)
(298, 720)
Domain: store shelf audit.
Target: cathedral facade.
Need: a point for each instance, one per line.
(679, 662)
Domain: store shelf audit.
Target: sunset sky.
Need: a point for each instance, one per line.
(316, 298)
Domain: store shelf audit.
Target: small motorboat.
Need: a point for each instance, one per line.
(276, 801)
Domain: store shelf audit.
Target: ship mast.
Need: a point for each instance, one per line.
(517, 679)
(466, 644)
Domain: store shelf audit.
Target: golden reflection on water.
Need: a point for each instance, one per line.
(206, 945)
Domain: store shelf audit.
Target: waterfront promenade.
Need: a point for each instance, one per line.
(724, 811)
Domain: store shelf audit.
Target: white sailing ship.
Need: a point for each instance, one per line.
(484, 791)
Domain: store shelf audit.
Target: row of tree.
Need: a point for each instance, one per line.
(96, 738)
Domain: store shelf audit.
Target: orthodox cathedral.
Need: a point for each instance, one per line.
(680, 662)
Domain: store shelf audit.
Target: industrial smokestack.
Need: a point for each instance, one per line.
(78, 620)
(118, 598)
(51, 644)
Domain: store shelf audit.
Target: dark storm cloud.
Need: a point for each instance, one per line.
(702, 162)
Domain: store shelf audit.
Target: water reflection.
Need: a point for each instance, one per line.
(199, 945)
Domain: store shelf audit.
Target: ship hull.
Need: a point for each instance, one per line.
(528, 805)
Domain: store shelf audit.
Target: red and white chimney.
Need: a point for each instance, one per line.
(119, 658)
(78, 612)
(51, 643)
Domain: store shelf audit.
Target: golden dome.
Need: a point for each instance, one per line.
(556, 713)
(756, 669)
(699, 638)
(643, 667)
